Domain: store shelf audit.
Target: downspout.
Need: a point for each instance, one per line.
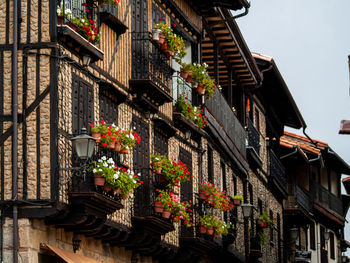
(246, 11)
(314, 143)
(15, 132)
(262, 77)
(290, 154)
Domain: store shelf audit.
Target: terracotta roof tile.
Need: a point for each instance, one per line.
(290, 139)
(346, 179)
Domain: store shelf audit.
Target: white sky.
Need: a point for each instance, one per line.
(310, 43)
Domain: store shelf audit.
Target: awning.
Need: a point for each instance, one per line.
(69, 257)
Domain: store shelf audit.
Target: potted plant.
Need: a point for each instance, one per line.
(265, 221)
(128, 140)
(164, 197)
(181, 211)
(61, 16)
(223, 202)
(125, 180)
(192, 113)
(185, 70)
(112, 2)
(220, 228)
(97, 131)
(237, 200)
(208, 221)
(156, 163)
(206, 190)
(102, 169)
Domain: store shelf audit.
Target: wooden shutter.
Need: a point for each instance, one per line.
(141, 165)
(82, 104)
(108, 109)
(160, 142)
(332, 249)
(210, 165)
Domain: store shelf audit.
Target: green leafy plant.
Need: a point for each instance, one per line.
(191, 112)
(125, 180)
(113, 2)
(257, 239)
(129, 139)
(104, 167)
(220, 227)
(207, 220)
(238, 197)
(67, 12)
(266, 220)
(157, 160)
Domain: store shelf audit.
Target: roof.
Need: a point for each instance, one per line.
(290, 140)
(273, 86)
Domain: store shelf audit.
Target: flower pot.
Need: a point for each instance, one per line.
(211, 200)
(183, 74)
(124, 151)
(117, 146)
(117, 191)
(189, 77)
(217, 235)
(169, 53)
(202, 229)
(107, 188)
(99, 180)
(202, 195)
(162, 179)
(157, 170)
(111, 145)
(161, 38)
(125, 196)
(210, 231)
(260, 223)
(201, 89)
(97, 136)
(164, 46)
(158, 207)
(237, 202)
(166, 214)
(60, 20)
(155, 34)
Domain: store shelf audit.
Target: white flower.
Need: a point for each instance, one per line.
(157, 158)
(134, 128)
(114, 126)
(115, 176)
(132, 136)
(139, 174)
(94, 171)
(82, 20)
(130, 176)
(132, 195)
(104, 158)
(126, 147)
(100, 170)
(58, 10)
(111, 161)
(134, 181)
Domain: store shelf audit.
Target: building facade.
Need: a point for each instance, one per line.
(57, 77)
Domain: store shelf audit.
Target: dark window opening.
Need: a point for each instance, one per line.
(160, 142)
(108, 109)
(257, 120)
(260, 206)
(332, 247)
(279, 248)
(251, 199)
(44, 258)
(312, 236)
(82, 104)
(271, 229)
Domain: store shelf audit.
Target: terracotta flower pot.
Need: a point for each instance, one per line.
(99, 180)
(107, 188)
(166, 214)
(170, 53)
(217, 235)
(117, 146)
(211, 199)
(157, 169)
(161, 38)
(189, 77)
(117, 191)
(237, 202)
(125, 196)
(124, 151)
(202, 229)
(97, 136)
(60, 20)
(260, 223)
(111, 145)
(183, 74)
(210, 231)
(202, 195)
(164, 46)
(158, 207)
(201, 89)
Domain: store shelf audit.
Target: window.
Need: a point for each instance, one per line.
(108, 108)
(43, 258)
(223, 175)
(260, 206)
(312, 236)
(82, 104)
(331, 246)
(160, 142)
(257, 120)
(210, 165)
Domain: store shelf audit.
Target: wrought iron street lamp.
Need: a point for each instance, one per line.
(83, 144)
(326, 235)
(293, 233)
(247, 210)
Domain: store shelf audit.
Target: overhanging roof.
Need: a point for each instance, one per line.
(223, 34)
(205, 7)
(275, 91)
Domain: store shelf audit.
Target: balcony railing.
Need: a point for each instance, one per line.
(326, 198)
(150, 62)
(277, 169)
(223, 114)
(253, 137)
(181, 87)
(303, 199)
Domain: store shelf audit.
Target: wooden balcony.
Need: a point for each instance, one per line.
(109, 16)
(204, 7)
(71, 36)
(326, 202)
(151, 73)
(253, 148)
(298, 208)
(226, 128)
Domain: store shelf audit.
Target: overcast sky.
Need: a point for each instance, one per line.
(310, 43)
